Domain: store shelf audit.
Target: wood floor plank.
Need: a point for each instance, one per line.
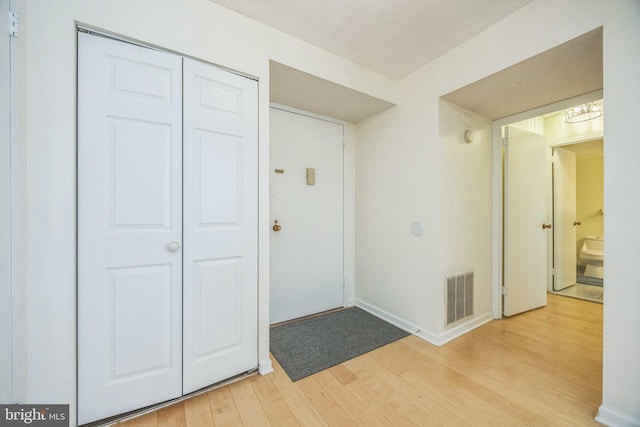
(248, 404)
(286, 421)
(540, 368)
(331, 412)
(416, 406)
(444, 384)
(507, 377)
(223, 408)
(147, 420)
(356, 409)
(377, 405)
(172, 416)
(272, 401)
(197, 412)
(342, 374)
(300, 407)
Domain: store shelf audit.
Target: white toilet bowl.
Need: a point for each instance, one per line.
(592, 254)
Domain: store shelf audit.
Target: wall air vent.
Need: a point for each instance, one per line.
(459, 297)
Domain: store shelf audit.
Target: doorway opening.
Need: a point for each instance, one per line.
(578, 213)
(568, 223)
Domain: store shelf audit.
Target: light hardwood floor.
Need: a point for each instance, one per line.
(540, 368)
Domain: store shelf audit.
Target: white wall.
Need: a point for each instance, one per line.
(464, 207)
(621, 367)
(6, 338)
(559, 132)
(197, 28)
(400, 179)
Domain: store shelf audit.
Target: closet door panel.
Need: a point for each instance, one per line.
(129, 223)
(220, 225)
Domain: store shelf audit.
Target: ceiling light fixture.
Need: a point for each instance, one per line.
(584, 112)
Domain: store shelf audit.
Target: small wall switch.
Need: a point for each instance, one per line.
(311, 176)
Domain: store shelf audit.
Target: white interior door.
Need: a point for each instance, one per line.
(526, 210)
(129, 227)
(220, 225)
(564, 227)
(307, 252)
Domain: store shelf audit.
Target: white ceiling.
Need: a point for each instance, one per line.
(288, 86)
(396, 37)
(390, 37)
(565, 71)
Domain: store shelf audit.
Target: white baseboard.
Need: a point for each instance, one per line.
(394, 320)
(349, 303)
(453, 333)
(612, 418)
(265, 367)
(429, 337)
(435, 339)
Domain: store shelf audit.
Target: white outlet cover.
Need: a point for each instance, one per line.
(416, 229)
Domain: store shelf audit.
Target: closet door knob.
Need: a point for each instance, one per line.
(546, 226)
(173, 246)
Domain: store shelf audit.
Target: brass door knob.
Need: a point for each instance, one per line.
(577, 222)
(545, 226)
(276, 226)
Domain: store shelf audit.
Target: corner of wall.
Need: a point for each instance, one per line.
(265, 367)
(437, 339)
(612, 418)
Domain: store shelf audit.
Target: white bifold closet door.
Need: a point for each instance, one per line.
(167, 226)
(220, 225)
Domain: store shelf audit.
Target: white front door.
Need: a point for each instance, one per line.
(306, 160)
(564, 221)
(220, 225)
(129, 227)
(526, 211)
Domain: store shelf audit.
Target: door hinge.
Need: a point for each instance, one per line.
(505, 142)
(553, 271)
(9, 24)
(505, 290)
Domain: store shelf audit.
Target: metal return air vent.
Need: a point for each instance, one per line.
(459, 297)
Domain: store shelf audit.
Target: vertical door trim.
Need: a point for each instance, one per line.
(7, 194)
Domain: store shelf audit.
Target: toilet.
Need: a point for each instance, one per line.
(592, 254)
